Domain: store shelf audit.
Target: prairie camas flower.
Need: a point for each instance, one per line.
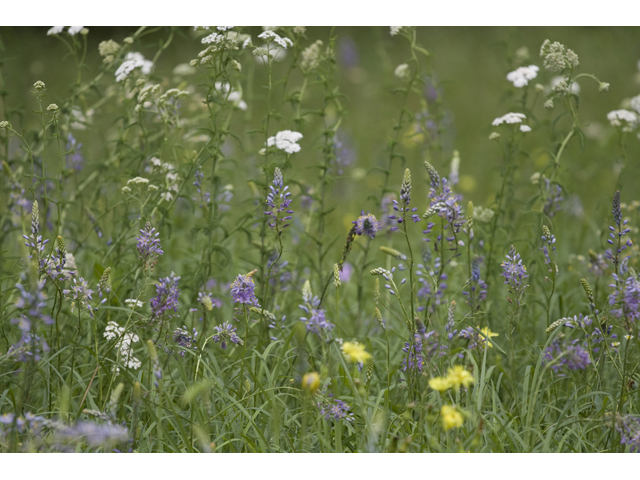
(226, 333)
(563, 357)
(166, 299)
(279, 199)
(317, 321)
(336, 410)
(520, 76)
(149, 246)
(617, 233)
(405, 198)
(285, 140)
(243, 290)
(548, 245)
(628, 426)
(514, 273)
(182, 338)
(367, 225)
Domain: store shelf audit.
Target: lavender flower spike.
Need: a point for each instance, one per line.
(243, 289)
(226, 333)
(166, 298)
(514, 273)
(279, 199)
(149, 246)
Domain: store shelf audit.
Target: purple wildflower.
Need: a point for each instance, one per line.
(405, 199)
(279, 199)
(478, 287)
(548, 245)
(629, 304)
(317, 321)
(93, 434)
(346, 271)
(183, 339)
(243, 290)
(336, 410)
(367, 225)
(514, 273)
(80, 293)
(226, 333)
(566, 356)
(149, 246)
(34, 241)
(413, 358)
(618, 233)
(445, 204)
(628, 427)
(554, 198)
(75, 160)
(166, 298)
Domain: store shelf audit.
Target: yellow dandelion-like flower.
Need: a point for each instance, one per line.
(457, 376)
(451, 417)
(354, 352)
(487, 335)
(440, 383)
(311, 382)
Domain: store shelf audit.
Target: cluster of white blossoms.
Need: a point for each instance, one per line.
(132, 61)
(58, 30)
(133, 303)
(393, 31)
(233, 96)
(559, 85)
(115, 331)
(402, 71)
(285, 140)
(138, 182)
(512, 118)
(520, 76)
(282, 41)
(623, 118)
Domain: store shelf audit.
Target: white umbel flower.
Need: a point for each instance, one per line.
(285, 140)
(393, 31)
(74, 30)
(284, 42)
(55, 30)
(520, 76)
(402, 71)
(525, 128)
(132, 61)
(509, 118)
(559, 84)
(623, 118)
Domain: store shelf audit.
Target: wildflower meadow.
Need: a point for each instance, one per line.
(348, 239)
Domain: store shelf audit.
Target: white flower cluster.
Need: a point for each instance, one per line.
(559, 85)
(285, 140)
(133, 303)
(282, 41)
(132, 61)
(393, 31)
(511, 118)
(234, 96)
(402, 71)
(58, 30)
(520, 76)
(623, 118)
(113, 330)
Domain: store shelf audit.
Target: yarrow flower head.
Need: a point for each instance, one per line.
(624, 119)
(279, 199)
(243, 289)
(509, 118)
(520, 76)
(124, 340)
(367, 225)
(557, 57)
(132, 61)
(284, 42)
(226, 333)
(285, 140)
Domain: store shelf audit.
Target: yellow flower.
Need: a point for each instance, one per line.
(487, 335)
(451, 417)
(457, 376)
(440, 383)
(354, 352)
(311, 382)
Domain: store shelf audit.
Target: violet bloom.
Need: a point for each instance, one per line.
(226, 333)
(367, 225)
(514, 273)
(75, 160)
(617, 233)
(336, 410)
(445, 204)
(628, 427)
(629, 303)
(243, 290)
(94, 435)
(413, 358)
(554, 198)
(80, 293)
(185, 340)
(405, 199)
(35, 240)
(33, 303)
(279, 199)
(478, 287)
(566, 356)
(317, 321)
(346, 272)
(149, 246)
(166, 299)
(548, 245)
